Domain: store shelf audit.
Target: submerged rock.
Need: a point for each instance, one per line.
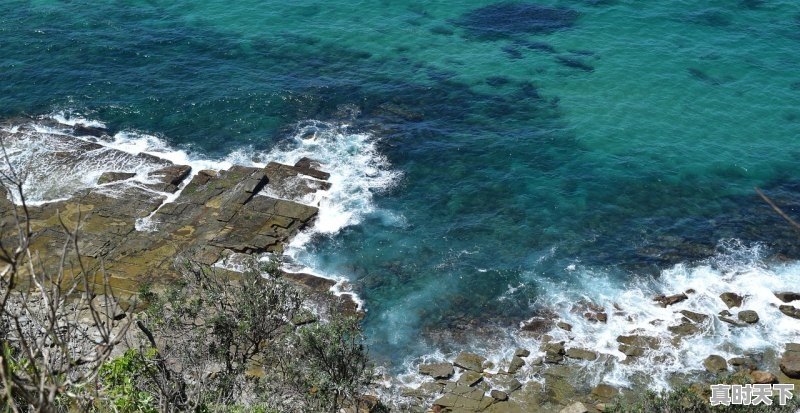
(502, 20)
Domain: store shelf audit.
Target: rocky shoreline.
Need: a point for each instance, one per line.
(554, 375)
(144, 212)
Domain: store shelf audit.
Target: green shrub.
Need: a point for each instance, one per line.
(120, 378)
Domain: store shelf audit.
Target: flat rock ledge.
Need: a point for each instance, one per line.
(215, 214)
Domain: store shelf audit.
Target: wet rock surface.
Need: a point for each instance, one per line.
(126, 225)
(790, 362)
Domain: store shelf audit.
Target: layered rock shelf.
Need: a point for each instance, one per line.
(136, 224)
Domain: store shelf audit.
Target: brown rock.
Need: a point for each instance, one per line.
(554, 352)
(748, 316)
(581, 354)
(538, 326)
(108, 177)
(564, 326)
(470, 378)
(604, 392)
(521, 352)
(470, 361)
(742, 363)
(498, 395)
(790, 310)
(694, 317)
(763, 377)
(666, 301)
(576, 407)
(787, 297)
(715, 364)
(790, 362)
(437, 370)
(516, 364)
(731, 299)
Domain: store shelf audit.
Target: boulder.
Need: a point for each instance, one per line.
(169, 177)
(554, 352)
(85, 130)
(604, 392)
(639, 341)
(462, 399)
(108, 177)
(694, 317)
(731, 299)
(516, 364)
(470, 378)
(631, 351)
(576, 407)
(787, 297)
(685, 328)
(537, 326)
(748, 316)
(506, 383)
(667, 300)
(731, 321)
(790, 310)
(564, 326)
(437, 370)
(521, 352)
(715, 364)
(498, 395)
(742, 363)
(790, 362)
(470, 361)
(763, 377)
(581, 354)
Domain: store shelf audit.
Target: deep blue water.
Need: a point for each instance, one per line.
(526, 138)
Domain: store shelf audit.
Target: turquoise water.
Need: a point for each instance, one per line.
(625, 137)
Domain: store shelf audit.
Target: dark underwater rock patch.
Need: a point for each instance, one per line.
(503, 20)
(574, 63)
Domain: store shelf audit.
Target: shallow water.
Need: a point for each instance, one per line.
(485, 166)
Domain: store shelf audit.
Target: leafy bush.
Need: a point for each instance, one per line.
(119, 377)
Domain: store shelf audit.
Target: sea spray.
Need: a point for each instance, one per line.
(631, 310)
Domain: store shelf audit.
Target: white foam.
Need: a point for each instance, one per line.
(357, 172)
(71, 118)
(737, 268)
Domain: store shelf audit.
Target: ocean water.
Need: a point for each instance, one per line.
(490, 160)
